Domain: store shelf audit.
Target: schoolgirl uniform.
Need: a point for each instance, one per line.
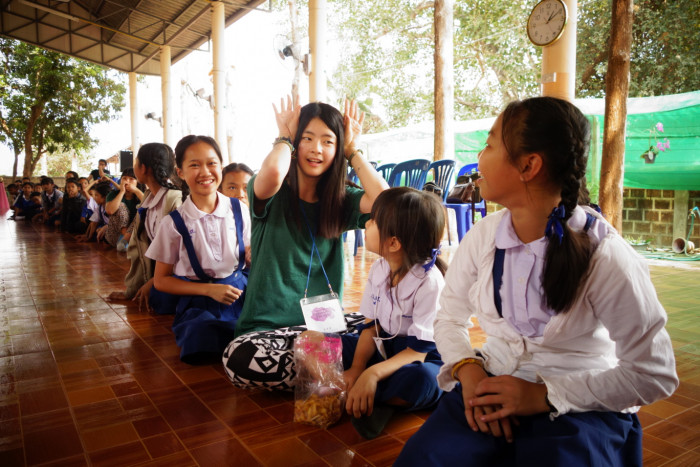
(600, 359)
(211, 250)
(405, 314)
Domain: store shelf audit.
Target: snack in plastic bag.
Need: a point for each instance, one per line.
(319, 389)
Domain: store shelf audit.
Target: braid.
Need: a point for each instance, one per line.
(559, 132)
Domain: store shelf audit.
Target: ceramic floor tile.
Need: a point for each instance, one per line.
(231, 450)
(204, 434)
(285, 453)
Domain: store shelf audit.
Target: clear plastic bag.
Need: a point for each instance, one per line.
(319, 388)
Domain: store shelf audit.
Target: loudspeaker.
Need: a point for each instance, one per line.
(126, 160)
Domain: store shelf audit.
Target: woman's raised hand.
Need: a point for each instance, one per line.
(353, 118)
(287, 117)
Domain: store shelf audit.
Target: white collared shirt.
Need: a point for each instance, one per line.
(608, 352)
(213, 236)
(409, 308)
(154, 204)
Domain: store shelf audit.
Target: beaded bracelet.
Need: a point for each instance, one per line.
(285, 140)
(465, 361)
(354, 153)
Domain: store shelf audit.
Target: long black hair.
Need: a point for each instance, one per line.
(560, 133)
(331, 187)
(182, 146)
(417, 219)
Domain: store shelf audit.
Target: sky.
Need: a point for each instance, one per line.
(256, 78)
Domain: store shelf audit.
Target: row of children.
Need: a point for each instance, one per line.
(575, 332)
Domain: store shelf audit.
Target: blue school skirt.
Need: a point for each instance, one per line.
(415, 383)
(587, 438)
(204, 327)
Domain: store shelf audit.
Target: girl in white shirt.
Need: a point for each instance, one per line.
(575, 332)
(393, 362)
(154, 167)
(200, 254)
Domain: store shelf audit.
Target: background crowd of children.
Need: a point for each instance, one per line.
(99, 207)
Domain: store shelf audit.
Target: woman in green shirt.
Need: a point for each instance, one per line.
(300, 189)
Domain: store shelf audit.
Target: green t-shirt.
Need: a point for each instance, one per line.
(280, 261)
(130, 203)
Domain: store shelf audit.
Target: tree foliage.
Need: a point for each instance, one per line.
(388, 47)
(49, 101)
(665, 44)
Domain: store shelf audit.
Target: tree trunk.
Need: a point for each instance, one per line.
(14, 165)
(444, 80)
(29, 162)
(616, 91)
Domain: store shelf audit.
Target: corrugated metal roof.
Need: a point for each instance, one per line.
(125, 35)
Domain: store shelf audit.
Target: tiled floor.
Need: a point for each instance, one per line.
(86, 381)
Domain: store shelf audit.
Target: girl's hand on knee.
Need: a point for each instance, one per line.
(350, 376)
(513, 395)
(223, 293)
(470, 376)
(361, 396)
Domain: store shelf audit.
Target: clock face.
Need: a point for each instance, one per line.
(546, 22)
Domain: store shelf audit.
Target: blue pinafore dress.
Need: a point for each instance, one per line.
(204, 327)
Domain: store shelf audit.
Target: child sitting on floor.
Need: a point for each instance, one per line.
(199, 251)
(71, 208)
(393, 362)
(235, 180)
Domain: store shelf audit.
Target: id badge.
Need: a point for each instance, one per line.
(323, 313)
(379, 342)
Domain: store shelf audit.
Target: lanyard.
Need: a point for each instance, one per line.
(311, 258)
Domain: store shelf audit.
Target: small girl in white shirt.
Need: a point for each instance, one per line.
(200, 254)
(392, 363)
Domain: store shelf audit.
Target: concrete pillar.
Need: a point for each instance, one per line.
(559, 60)
(317, 47)
(219, 76)
(165, 86)
(680, 214)
(134, 110)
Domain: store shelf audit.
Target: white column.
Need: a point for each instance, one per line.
(317, 46)
(559, 60)
(165, 85)
(219, 75)
(134, 109)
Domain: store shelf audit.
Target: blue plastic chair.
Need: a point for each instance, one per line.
(468, 169)
(442, 175)
(410, 173)
(385, 170)
(463, 212)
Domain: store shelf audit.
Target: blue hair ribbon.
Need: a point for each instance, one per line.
(434, 254)
(554, 224)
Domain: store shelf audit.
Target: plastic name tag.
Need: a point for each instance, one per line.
(323, 313)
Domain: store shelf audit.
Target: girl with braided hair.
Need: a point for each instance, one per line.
(575, 338)
(154, 166)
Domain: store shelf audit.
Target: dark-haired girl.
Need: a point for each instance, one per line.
(575, 333)
(120, 206)
(200, 255)
(72, 205)
(393, 363)
(234, 181)
(300, 202)
(154, 167)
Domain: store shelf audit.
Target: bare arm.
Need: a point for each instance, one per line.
(372, 182)
(276, 165)
(164, 281)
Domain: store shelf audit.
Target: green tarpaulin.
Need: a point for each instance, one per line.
(676, 168)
